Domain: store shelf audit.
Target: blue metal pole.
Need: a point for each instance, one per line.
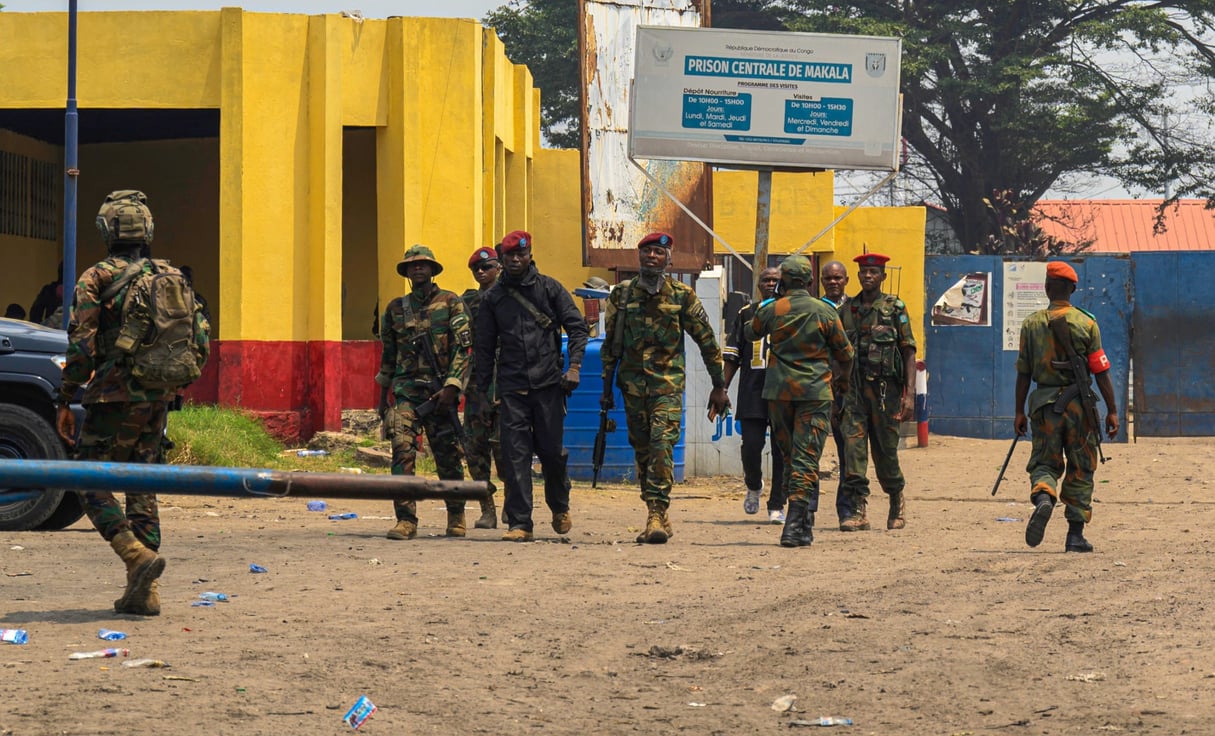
(199, 480)
(71, 145)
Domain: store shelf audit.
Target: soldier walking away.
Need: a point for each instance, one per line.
(125, 415)
(882, 393)
(1060, 347)
(646, 319)
(806, 338)
(747, 358)
(481, 410)
(518, 345)
(833, 277)
(424, 364)
(49, 297)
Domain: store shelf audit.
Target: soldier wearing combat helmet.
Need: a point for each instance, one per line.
(426, 326)
(882, 394)
(124, 419)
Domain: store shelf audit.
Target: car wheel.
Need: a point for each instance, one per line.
(24, 435)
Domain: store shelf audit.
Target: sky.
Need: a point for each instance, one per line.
(370, 8)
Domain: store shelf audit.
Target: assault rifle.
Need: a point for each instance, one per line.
(606, 425)
(1082, 384)
(428, 407)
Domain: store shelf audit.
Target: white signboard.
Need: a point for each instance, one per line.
(1023, 295)
(766, 98)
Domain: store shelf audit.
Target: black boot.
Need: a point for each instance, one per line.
(807, 530)
(1036, 529)
(794, 530)
(1075, 538)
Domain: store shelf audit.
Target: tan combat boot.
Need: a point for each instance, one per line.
(455, 523)
(858, 522)
(655, 532)
(143, 567)
(489, 515)
(403, 530)
(562, 522)
(517, 535)
(898, 507)
(666, 523)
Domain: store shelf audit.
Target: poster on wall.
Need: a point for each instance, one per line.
(1023, 295)
(966, 303)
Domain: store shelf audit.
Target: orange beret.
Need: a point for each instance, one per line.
(872, 259)
(1060, 270)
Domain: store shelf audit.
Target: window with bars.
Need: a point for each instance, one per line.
(28, 205)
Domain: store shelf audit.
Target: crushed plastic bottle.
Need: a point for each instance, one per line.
(254, 567)
(317, 505)
(146, 663)
(212, 596)
(14, 636)
(100, 654)
(343, 517)
(109, 635)
(312, 453)
(834, 721)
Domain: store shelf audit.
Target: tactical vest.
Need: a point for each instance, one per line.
(876, 338)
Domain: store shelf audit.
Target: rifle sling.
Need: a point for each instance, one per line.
(541, 318)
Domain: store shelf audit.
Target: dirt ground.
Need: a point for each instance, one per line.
(951, 626)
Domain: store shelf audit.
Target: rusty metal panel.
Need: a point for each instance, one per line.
(619, 203)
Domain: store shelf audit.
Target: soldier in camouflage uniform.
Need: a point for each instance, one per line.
(481, 410)
(124, 421)
(428, 318)
(882, 395)
(646, 319)
(1060, 428)
(805, 338)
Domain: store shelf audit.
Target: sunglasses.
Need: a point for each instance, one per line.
(485, 265)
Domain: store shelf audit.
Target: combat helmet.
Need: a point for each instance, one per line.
(417, 253)
(125, 217)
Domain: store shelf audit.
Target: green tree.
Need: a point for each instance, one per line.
(1003, 100)
(543, 36)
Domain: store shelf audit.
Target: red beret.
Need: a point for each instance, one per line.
(516, 240)
(482, 254)
(872, 259)
(1060, 270)
(666, 241)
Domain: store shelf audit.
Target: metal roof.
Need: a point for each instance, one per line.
(1128, 225)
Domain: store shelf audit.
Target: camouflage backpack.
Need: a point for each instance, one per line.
(157, 329)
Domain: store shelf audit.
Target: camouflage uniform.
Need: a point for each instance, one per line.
(804, 335)
(440, 317)
(879, 332)
(1059, 435)
(647, 338)
(480, 413)
(124, 422)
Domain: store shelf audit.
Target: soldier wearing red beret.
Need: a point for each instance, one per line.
(646, 320)
(882, 395)
(1066, 437)
(481, 410)
(518, 351)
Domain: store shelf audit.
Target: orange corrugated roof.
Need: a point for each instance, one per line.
(1126, 225)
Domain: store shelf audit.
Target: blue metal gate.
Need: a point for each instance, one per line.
(972, 378)
(1174, 346)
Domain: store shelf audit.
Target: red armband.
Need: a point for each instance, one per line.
(1098, 363)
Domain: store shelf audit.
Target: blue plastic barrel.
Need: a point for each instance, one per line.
(582, 423)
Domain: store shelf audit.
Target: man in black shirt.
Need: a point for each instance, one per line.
(748, 359)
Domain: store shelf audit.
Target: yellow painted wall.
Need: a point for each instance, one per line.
(557, 227)
(899, 233)
(802, 204)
